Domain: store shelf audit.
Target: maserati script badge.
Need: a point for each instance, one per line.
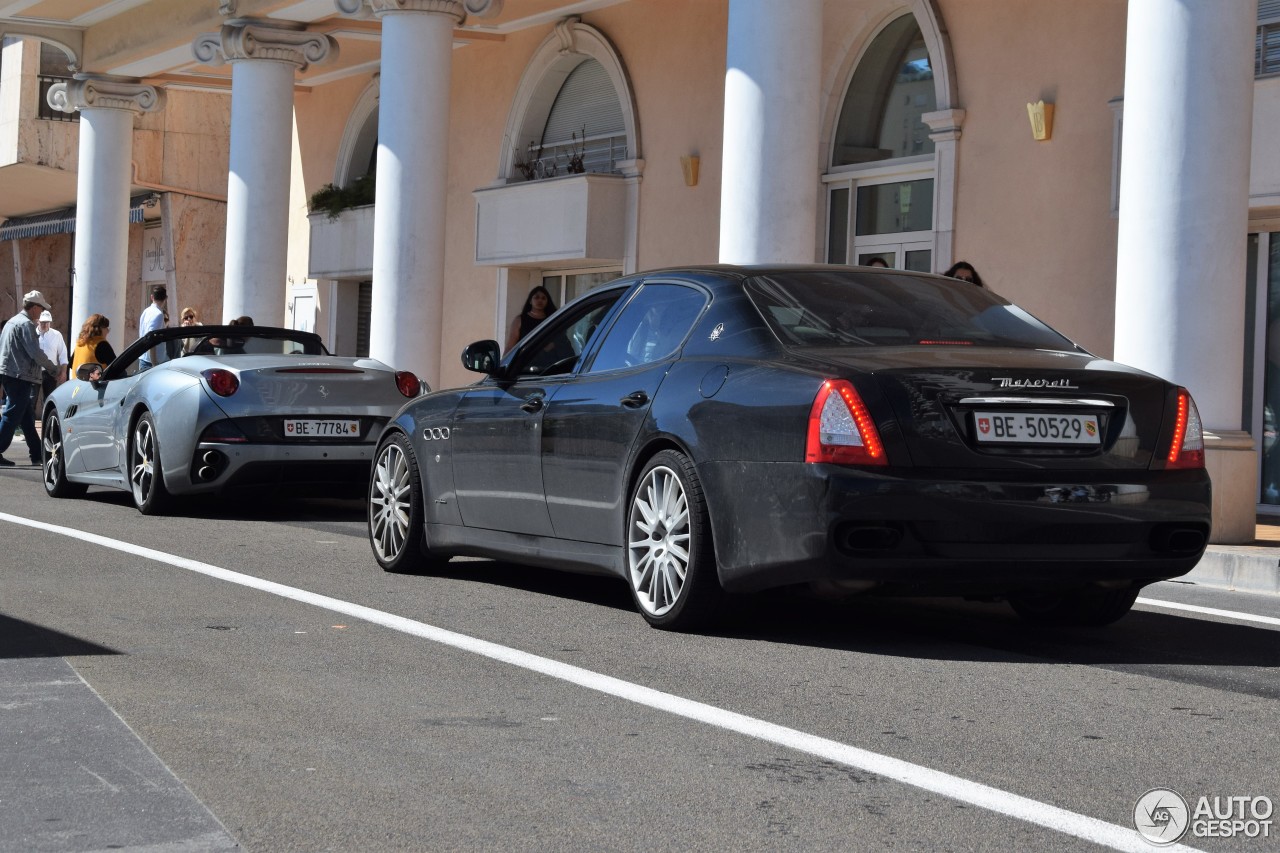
(1010, 382)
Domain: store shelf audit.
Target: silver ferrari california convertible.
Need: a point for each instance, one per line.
(224, 407)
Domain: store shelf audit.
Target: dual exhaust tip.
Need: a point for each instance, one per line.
(209, 465)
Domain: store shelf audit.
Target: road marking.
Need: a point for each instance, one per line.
(964, 790)
(1210, 611)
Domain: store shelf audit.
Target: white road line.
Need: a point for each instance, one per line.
(1210, 611)
(974, 793)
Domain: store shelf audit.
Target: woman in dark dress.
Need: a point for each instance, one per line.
(537, 308)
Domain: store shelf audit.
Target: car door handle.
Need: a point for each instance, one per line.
(532, 403)
(635, 399)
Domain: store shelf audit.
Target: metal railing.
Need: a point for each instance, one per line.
(598, 154)
(47, 112)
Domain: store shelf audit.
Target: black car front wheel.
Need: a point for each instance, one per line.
(1082, 608)
(56, 484)
(671, 565)
(146, 479)
(396, 509)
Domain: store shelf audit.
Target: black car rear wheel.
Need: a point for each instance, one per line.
(146, 478)
(671, 567)
(56, 484)
(396, 509)
(1085, 607)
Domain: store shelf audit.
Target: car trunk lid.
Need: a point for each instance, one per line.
(1002, 408)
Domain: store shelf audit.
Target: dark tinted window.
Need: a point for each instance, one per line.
(555, 346)
(838, 308)
(651, 327)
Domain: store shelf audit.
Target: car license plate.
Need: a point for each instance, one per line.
(313, 428)
(1035, 428)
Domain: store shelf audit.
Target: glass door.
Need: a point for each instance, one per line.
(885, 215)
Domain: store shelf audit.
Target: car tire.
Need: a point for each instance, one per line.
(1079, 608)
(54, 461)
(671, 565)
(146, 478)
(396, 509)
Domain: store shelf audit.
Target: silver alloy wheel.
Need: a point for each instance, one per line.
(658, 541)
(390, 502)
(142, 461)
(51, 437)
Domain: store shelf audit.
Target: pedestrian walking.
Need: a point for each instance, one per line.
(153, 317)
(54, 346)
(21, 360)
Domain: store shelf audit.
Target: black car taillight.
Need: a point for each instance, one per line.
(1186, 450)
(841, 430)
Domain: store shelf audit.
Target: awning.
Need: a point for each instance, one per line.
(59, 221)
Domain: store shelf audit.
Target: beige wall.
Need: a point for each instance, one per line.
(46, 266)
(1034, 217)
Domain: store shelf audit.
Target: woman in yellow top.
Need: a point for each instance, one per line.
(92, 346)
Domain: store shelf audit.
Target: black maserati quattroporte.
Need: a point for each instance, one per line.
(706, 431)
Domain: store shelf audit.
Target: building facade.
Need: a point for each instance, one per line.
(1105, 165)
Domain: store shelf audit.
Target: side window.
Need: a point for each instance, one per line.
(651, 327)
(555, 350)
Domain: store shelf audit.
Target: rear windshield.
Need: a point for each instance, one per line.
(851, 308)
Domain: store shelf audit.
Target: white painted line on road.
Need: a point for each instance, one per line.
(1210, 611)
(975, 793)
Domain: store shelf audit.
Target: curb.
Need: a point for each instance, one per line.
(1238, 567)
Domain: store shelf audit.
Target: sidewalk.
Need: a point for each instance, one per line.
(1251, 568)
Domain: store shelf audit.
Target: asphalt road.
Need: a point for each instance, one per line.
(554, 718)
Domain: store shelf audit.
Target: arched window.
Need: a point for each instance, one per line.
(881, 178)
(584, 131)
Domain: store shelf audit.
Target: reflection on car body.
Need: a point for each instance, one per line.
(705, 431)
(232, 407)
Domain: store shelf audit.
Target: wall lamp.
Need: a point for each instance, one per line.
(689, 165)
(1041, 115)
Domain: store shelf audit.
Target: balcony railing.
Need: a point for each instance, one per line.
(597, 154)
(47, 112)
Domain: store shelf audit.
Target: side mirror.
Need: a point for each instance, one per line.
(89, 372)
(482, 357)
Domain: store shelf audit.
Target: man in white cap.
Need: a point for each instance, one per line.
(54, 346)
(21, 361)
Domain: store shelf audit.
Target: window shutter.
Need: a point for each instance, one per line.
(1268, 10)
(586, 99)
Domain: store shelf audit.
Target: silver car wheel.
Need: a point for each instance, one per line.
(142, 461)
(658, 541)
(390, 503)
(51, 437)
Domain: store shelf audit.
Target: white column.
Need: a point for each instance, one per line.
(107, 106)
(264, 57)
(1184, 204)
(409, 217)
(769, 183)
